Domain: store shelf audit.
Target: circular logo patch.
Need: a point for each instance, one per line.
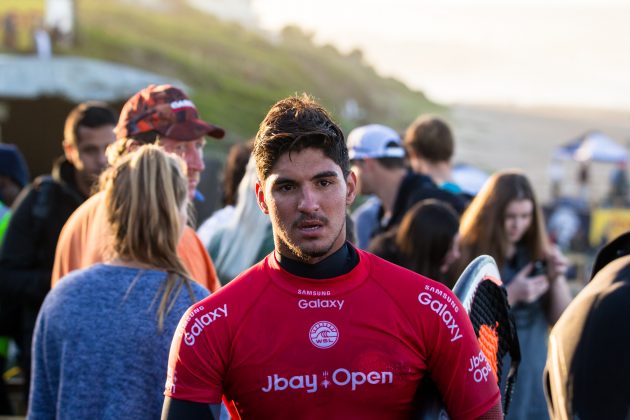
(323, 334)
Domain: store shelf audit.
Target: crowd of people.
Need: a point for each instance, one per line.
(291, 301)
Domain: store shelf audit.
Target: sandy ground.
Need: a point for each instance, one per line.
(496, 137)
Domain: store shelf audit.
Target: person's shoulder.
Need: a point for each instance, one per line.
(226, 308)
(25, 200)
(425, 188)
(614, 275)
(250, 281)
(78, 282)
(52, 189)
(208, 229)
(199, 291)
(451, 187)
(607, 292)
(383, 245)
(88, 209)
(84, 216)
(410, 291)
(391, 276)
(190, 244)
(43, 184)
(368, 208)
(245, 288)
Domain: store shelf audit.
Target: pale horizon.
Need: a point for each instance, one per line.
(552, 53)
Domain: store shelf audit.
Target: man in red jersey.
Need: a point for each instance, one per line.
(320, 329)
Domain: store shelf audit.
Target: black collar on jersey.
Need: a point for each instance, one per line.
(339, 263)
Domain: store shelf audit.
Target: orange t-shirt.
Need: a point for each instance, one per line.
(85, 235)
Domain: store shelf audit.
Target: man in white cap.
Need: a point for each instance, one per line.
(377, 157)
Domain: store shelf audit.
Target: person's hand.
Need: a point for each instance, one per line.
(526, 289)
(557, 263)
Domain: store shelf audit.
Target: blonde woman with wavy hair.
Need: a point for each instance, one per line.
(103, 334)
(506, 222)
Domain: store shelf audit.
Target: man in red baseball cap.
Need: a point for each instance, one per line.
(163, 115)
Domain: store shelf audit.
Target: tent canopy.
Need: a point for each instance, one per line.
(592, 146)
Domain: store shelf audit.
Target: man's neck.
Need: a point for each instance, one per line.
(388, 186)
(83, 185)
(439, 172)
(337, 264)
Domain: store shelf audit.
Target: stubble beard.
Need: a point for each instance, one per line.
(300, 254)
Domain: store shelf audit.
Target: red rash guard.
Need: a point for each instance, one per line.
(353, 346)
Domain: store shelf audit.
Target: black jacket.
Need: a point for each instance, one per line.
(415, 188)
(28, 250)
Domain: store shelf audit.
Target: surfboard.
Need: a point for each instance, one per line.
(481, 292)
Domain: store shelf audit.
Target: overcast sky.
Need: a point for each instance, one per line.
(552, 52)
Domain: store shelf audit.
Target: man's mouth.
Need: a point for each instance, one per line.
(310, 225)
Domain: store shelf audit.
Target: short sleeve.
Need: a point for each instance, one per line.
(198, 354)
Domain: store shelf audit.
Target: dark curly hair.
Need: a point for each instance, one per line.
(294, 124)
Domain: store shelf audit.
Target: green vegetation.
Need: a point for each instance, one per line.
(237, 74)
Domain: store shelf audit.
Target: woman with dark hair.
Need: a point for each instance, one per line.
(427, 240)
(505, 221)
(103, 335)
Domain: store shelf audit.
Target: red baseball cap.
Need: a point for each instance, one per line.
(166, 110)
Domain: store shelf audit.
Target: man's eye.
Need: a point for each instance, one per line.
(285, 187)
(324, 183)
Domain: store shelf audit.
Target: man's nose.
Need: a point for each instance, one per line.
(309, 201)
(194, 160)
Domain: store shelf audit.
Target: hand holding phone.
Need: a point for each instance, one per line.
(538, 267)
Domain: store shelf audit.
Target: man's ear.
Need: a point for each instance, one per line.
(69, 151)
(351, 192)
(260, 197)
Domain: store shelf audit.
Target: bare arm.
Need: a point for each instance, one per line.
(559, 292)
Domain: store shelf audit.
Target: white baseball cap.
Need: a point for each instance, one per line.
(374, 141)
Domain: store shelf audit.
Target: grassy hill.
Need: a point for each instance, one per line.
(237, 74)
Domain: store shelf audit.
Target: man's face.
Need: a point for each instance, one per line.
(88, 156)
(192, 153)
(306, 197)
(361, 169)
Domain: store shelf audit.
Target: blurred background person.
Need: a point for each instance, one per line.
(14, 175)
(365, 220)
(233, 173)
(586, 376)
(162, 115)
(505, 221)
(110, 325)
(377, 157)
(246, 237)
(427, 241)
(619, 186)
(26, 259)
(430, 146)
